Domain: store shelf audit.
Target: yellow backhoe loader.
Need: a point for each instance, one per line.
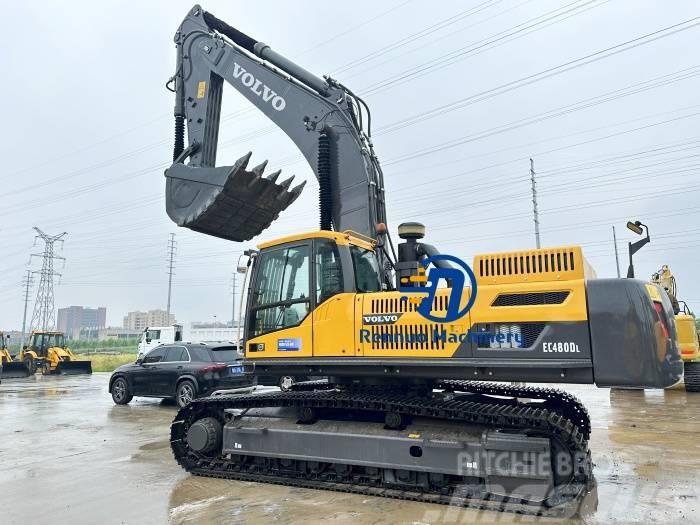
(47, 351)
(688, 338)
(8, 367)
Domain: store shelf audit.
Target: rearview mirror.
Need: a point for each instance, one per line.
(635, 227)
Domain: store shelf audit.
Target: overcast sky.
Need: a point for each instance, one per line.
(87, 130)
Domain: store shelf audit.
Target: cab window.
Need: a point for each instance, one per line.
(367, 275)
(282, 292)
(155, 356)
(152, 335)
(329, 275)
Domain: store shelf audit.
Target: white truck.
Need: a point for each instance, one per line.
(154, 336)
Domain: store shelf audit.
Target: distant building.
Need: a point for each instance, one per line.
(215, 324)
(116, 332)
(139, 321)
(73, 319)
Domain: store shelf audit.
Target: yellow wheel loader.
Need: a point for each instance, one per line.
(686, 328)
(10, 368)
(48, 353)
(408, 407)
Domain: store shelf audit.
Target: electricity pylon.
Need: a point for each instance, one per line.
(44, 316)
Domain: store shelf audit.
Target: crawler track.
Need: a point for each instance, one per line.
(469, 409)
(556, 400)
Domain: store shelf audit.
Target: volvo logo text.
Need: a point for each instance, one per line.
(381, 318)
(257, 87)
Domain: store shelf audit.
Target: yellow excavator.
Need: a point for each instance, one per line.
(686, 328)
(407, 408)
(10, 368)
(47, 352)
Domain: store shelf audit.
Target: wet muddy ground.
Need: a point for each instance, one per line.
(69, 455)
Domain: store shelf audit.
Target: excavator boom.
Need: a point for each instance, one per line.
(322, 118)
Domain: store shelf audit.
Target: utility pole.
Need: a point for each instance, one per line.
(617, 257)
(171, 262)
(534, 203)
(26, 283)
(233, 302)
(44, 316)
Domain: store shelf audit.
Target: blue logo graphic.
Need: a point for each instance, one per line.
(455, 275)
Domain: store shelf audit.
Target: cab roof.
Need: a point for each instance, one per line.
(345, 238)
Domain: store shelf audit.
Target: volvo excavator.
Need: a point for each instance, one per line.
(686, 328)
(411, 406)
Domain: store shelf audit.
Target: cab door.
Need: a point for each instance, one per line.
(334, 314)
(280, 323)
(168, 370)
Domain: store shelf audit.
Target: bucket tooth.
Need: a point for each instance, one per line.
(296, 190)
(243, 161)
(258, 170)
(286, 183)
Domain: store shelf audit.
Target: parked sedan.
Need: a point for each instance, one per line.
(182, 371)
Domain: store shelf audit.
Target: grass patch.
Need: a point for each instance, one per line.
(107, 363)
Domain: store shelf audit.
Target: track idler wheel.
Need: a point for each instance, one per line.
(307, 415)
(204, 436)
(393, 421)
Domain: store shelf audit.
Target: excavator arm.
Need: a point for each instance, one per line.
(322, 117)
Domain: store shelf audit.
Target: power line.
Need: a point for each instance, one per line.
(26, 284)
(535, 24)
(553, 113)
(171, 261)
(535, 214)
(413, 37)
(542, 75)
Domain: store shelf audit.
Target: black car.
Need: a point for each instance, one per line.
(182, 371)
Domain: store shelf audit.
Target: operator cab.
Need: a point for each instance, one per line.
(42, 341)
(294, 275)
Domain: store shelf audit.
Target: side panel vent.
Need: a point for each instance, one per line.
(408, 336)
(394, 304)
(527, 333)
(559, 261)
(530, 299)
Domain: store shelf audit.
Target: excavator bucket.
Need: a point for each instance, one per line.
(229, 202)
(74, 367)
(14, 369)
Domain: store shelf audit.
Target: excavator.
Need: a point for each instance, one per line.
(8, 367)
(416, 347)
(47, 352)
(686, 328)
